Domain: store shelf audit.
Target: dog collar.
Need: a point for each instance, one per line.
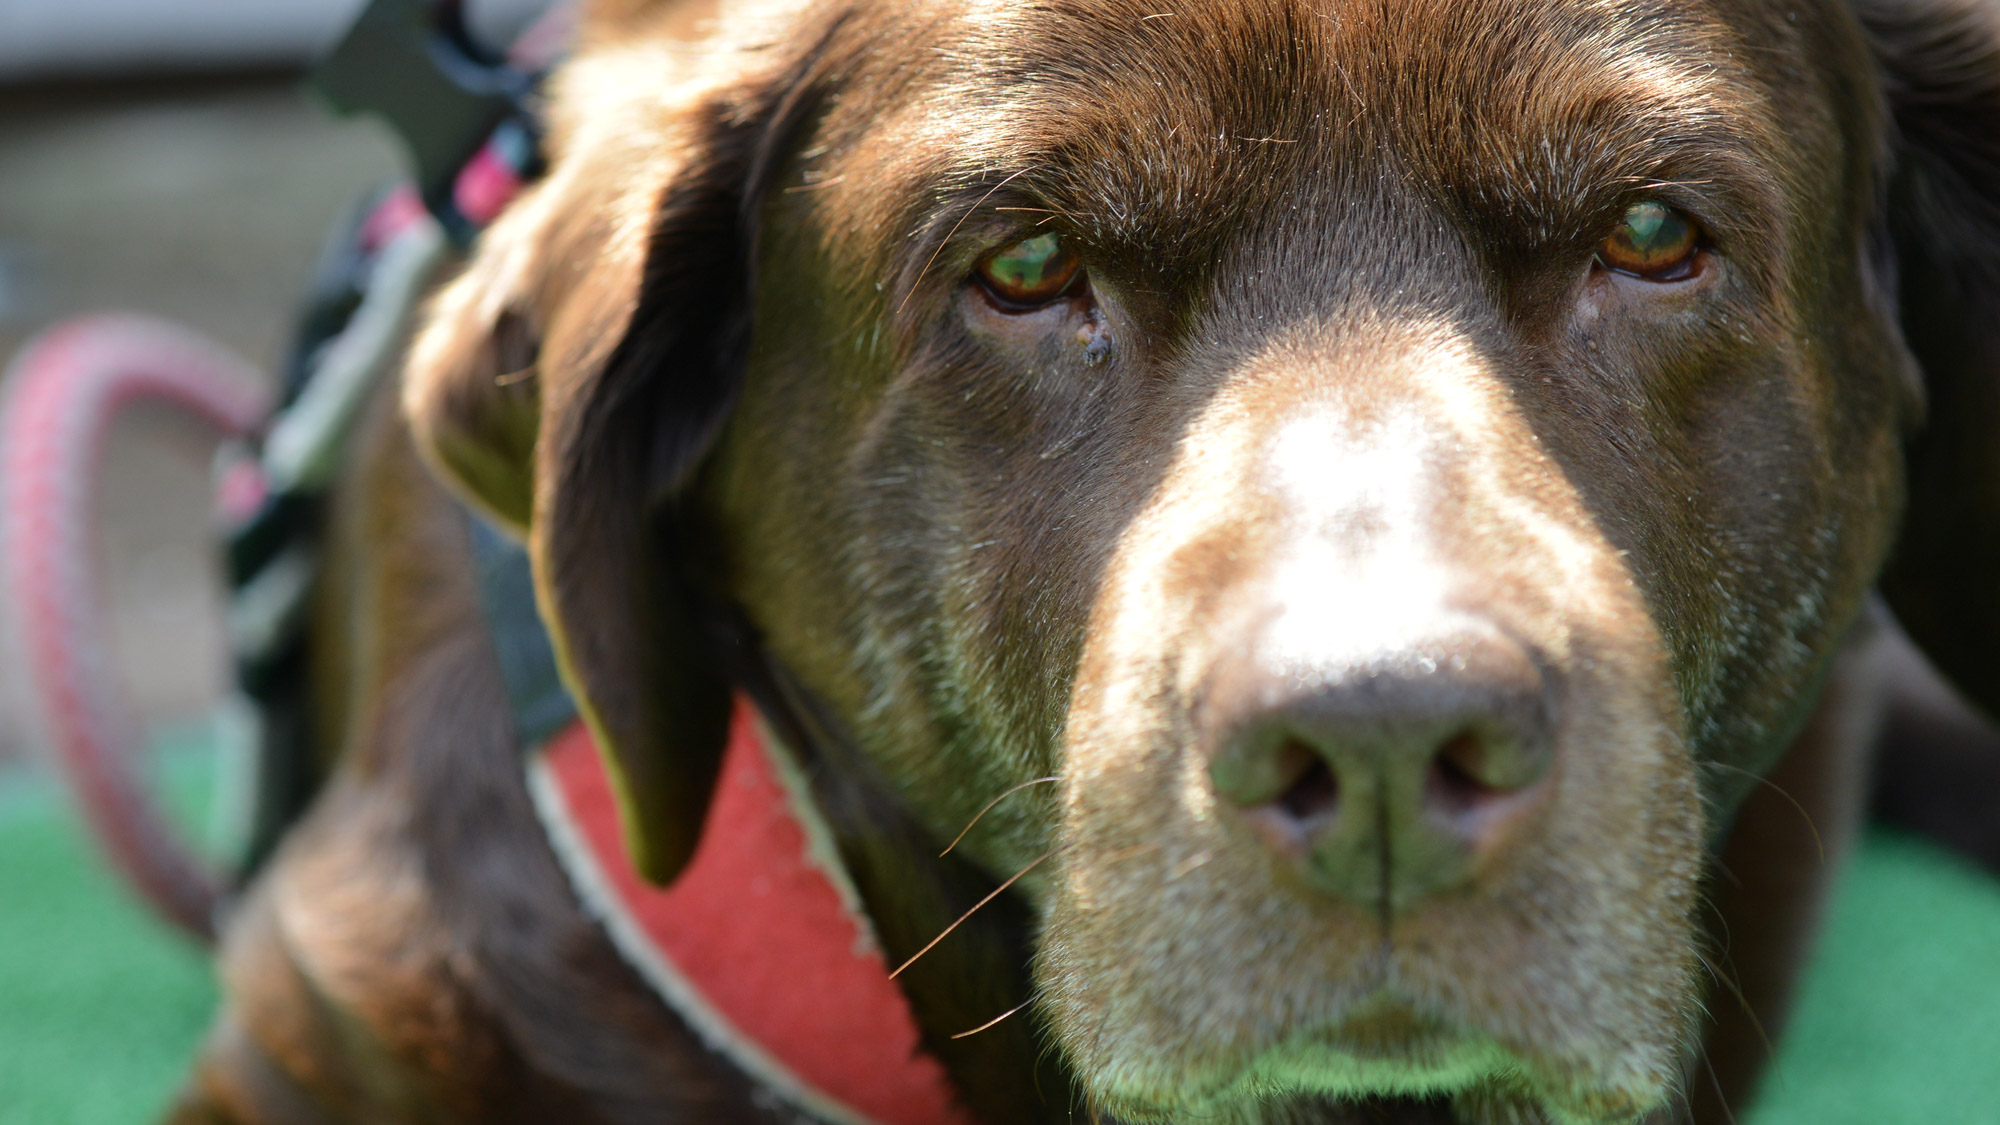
(761, 944)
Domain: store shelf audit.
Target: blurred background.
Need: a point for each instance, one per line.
(163, 158)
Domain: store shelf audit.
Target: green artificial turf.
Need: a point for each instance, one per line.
(101, 1008)
(1900, 1018)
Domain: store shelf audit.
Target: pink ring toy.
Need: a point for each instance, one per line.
(64, 391)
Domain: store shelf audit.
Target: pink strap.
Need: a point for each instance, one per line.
(485, 185)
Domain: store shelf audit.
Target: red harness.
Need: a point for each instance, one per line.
(761, 944)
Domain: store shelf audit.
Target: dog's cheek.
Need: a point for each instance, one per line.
(919, 537)
(1011, 471)
(1729, 455)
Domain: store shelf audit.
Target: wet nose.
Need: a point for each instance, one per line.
(1388, 778)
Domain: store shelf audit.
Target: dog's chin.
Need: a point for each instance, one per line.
(1311, 1110)
(1385, 1065)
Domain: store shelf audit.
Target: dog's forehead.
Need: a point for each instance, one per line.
(1127, 113)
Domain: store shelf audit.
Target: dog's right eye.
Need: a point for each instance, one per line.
(1653, 242)
(1031, 273)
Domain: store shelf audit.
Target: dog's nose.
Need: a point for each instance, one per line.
(1389, 778)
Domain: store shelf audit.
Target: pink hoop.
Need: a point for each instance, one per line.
(65, 390)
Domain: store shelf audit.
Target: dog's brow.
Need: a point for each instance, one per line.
(1185, 121)
(1181, 135)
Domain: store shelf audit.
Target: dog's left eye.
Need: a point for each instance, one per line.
(1031, 273)
(1653, 241)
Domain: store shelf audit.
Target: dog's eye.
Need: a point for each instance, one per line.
(1031, 273)
(1653, 241)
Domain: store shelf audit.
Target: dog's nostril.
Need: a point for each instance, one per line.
(1454, 783)
(1314, 791)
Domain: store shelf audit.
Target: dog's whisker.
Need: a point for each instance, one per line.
(990, 1023)
(1715, 1082)
(993, 894)
(946, 240)
(1661, 185)
(1009, 792)
(815, 185)
(1049, 215)
(1726, 940)
(1819, 845)
(1722, 869)
(1071, 215)
(1735, 988)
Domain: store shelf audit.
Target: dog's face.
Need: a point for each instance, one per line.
(1402, 466)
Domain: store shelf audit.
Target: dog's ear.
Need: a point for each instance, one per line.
(1940, 66)
(570, 380)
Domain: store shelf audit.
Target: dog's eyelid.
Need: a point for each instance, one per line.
(1744, 213)
(951, 239)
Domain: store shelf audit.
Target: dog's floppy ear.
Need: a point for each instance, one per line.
(569, 381)
(1940, 65)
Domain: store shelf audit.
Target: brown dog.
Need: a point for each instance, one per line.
(1406, 467)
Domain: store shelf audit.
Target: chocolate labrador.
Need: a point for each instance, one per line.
(1349, 496)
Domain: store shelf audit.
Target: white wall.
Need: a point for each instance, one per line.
(66, 38)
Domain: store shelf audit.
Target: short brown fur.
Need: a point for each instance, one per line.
(1342, 363)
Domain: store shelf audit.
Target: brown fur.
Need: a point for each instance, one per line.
(1341, 364)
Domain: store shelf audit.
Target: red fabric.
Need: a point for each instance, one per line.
(760, 930)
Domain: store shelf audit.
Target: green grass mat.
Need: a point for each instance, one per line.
(1900, 1018)
(100, 1006)
(101, 1009)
